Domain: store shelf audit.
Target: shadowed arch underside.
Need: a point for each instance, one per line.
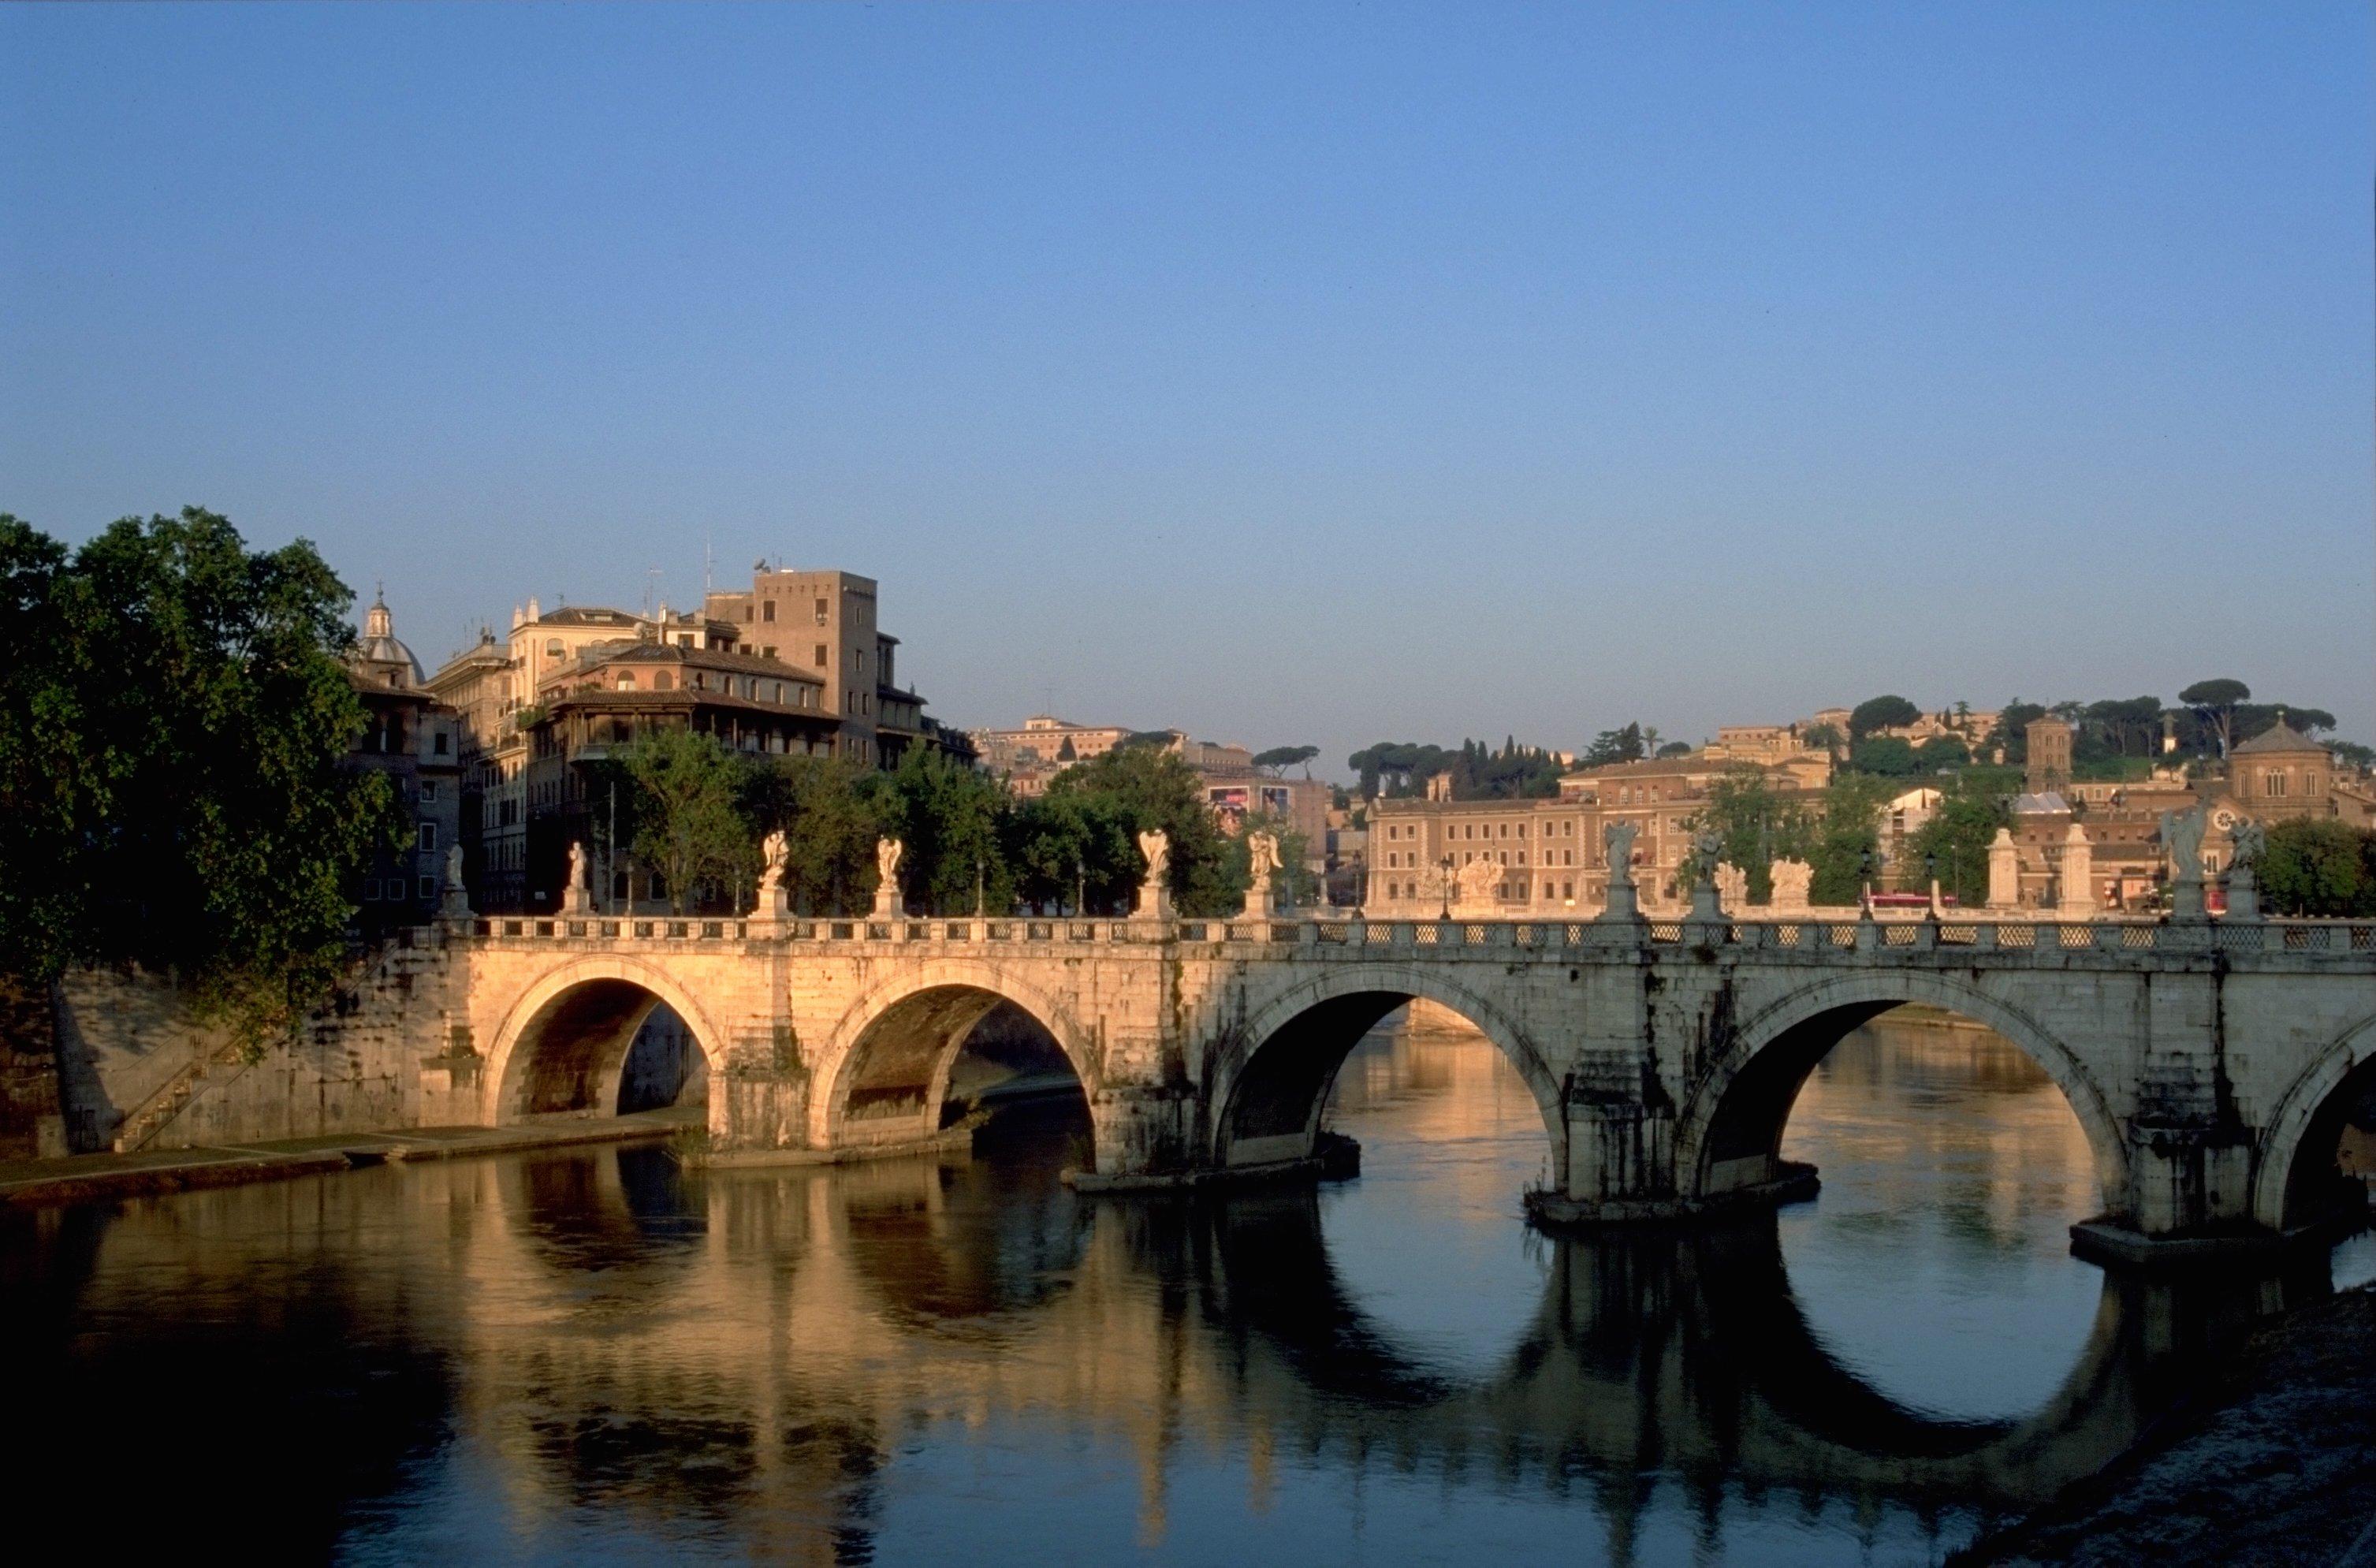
(1272, 1090)
(1730, 1138)
(2315, 1189)
(570, 1054)
(894, 1082)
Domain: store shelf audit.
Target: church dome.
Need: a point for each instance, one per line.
(381, 654)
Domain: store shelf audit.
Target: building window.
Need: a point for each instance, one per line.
(684, 640)
(820, 611)
(626, 680)
(552, 648)
(428, 789)
(428, 837)
(425, 888)
(768, 610)
(443, 740)
(371, 890)
(821, 655)
(662, 681)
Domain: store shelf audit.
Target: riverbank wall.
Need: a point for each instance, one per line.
(129, 1065)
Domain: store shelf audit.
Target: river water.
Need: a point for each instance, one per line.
(600, 1356)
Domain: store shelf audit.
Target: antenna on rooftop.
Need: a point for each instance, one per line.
(651, 589)
(709, 560)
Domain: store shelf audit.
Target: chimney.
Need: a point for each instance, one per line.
(533, 613)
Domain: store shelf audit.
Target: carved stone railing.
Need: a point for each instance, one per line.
(1355, 938)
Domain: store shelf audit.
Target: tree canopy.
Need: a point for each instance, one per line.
(175, 787)
(2214, 703)
(1612, 746)
(2315, 867)
(1279, 759)
(1880, 713)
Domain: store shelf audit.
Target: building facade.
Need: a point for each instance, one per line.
(415, 741)
(564, 685)
(1546, 856)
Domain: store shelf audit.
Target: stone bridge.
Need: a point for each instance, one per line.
(2214, 1064)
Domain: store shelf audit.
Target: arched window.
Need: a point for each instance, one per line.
(662, 681)
(626, 680)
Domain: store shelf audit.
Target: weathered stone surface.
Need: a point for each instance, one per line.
(2201, 1060)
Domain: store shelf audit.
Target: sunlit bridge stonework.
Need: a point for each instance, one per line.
(2212, 1065)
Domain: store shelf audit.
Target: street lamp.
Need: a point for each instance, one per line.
(1446, 888)
(1080, 888)
(980, 887)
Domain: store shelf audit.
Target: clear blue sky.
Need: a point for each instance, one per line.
(1287, 374)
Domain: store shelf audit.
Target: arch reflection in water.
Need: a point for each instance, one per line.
(924, 1358)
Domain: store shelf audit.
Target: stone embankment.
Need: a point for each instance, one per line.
(2275, 1464)
(93, 1178)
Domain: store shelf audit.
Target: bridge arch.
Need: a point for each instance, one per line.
(1270, 1080)
(2298, 1144)
(1730, 1132)
(888, 1056)
(562, 1046)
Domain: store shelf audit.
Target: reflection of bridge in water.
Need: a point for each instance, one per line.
(756, 1348)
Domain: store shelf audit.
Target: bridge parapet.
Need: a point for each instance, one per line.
(2352, 942)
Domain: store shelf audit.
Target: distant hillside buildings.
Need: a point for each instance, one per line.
(1030, 757)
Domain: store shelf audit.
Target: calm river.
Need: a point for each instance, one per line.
(601, 1357)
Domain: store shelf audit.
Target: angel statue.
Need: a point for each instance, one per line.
(774, 851)
(2181, 835)
(2251, 841)
(1262, 854)
(1156, 844)
(1618, 837)
(887, 859)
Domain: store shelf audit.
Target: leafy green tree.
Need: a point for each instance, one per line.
(2316, 867)
(1880, 713)
(2127, 727)
(1939, 752)
(1885, 756)
(2352, 753)
(830, 811)
(1148, 788)
(47, 811)
(1674, 749)
(1064, 837)
(1277, 760)
(1956, 838)
(952, 821)
(1758, 824)
(1847, 839)
(2213, 704)
(1401, 768)
(212, 826)
(1612, 746)
(688, 828)
(1827, 737)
